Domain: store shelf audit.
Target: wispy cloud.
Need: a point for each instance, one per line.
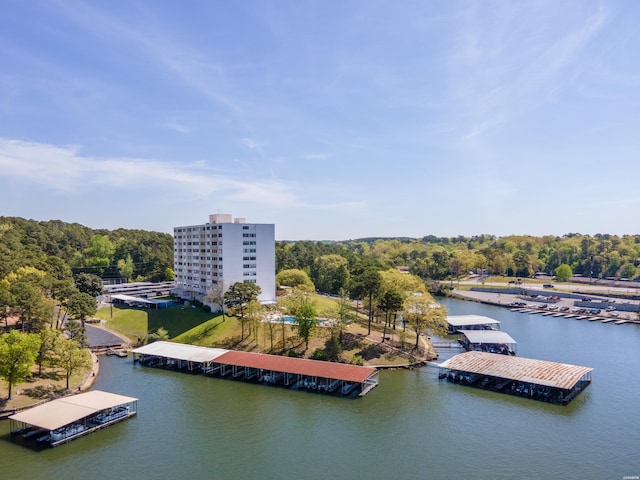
(503, 67)
(196, 70)
(63, 169)
(317, 156)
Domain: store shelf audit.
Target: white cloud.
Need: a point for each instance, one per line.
(63, 169)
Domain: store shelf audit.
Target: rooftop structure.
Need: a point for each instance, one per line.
(295, 373)
(222, 252)
(539, 379)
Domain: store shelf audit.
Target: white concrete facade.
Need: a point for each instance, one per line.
(222, 252)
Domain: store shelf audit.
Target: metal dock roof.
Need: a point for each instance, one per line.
(181, 351)
(487, 336)
(63, 411)
(540, 372)
(466, 320)
(301, 366)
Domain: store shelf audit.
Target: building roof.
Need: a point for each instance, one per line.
(487, 336)
(63, 411)
(466, 320)
(301, 366)
(181, 351)
(129, 298)
(540, 372)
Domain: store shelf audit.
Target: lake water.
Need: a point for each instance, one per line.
(411, 426)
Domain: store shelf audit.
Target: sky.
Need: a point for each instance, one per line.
(332, 119)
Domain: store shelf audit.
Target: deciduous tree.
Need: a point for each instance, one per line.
(71, 357)
(425, 315)
(391, 302)
(18, 353)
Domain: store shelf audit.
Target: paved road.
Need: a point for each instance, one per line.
(99, 337)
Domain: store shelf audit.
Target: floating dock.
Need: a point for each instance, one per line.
(295, 373)
(65, 419)
(471, 322)
(540, 380)
(492, 341)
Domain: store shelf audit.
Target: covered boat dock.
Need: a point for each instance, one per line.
(65, 419)
(523, 377)
(295, 373)
(492, 341)
(471, 322)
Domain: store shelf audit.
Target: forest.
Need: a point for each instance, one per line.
(133, 254)
(331, 265)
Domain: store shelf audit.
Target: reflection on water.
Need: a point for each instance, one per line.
(411, 426)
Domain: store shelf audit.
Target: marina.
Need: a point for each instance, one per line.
(62, 420)
(189, 426)
(294, 373)
(551, 382)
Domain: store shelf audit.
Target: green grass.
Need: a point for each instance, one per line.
(211, 332)
(136, 323)
(128, 321)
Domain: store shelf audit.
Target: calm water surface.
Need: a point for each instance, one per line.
(411, 426)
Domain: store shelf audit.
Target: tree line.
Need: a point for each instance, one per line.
(133, 254)
(330, 265)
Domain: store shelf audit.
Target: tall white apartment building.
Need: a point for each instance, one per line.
(223, 252)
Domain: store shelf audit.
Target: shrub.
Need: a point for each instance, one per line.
(318, 354)
(357, 360)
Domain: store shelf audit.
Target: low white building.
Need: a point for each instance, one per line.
(222, 252)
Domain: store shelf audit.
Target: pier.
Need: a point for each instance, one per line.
(540, 380)
(294, 373)
(492, 341)
(65, 419)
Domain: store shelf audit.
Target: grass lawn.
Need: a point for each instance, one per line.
(137, 323)
(35, 388)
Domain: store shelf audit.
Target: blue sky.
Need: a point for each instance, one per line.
(331, 119)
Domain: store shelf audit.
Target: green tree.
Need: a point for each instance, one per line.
(18, 353)
(253, 316)
(46, 352)
(391, 302)
(306, 321)
(76, 332)
(240, 294)
(71, 357)
(627, 270)
(367, 284)
(563, 272)
(99, 252)
(424, 315)
(88, 283)
(331, 273)
(294, 277)
(343, 315)
(81, 306)
(169, 274)
(125, 267)
(6, 301)
(30, 304)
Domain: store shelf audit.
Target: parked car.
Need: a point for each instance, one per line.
(547, 285)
